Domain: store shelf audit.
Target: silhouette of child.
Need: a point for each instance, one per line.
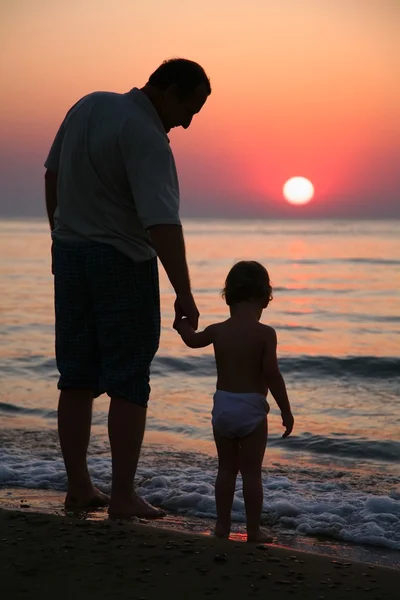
(247, 367)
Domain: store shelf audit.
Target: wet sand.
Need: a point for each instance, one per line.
(47, 556)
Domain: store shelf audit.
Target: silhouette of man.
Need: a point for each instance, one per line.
(112, 200)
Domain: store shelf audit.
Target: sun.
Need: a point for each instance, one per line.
(298, 190)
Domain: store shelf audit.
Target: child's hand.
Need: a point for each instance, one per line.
(288, 422)
(182, 325)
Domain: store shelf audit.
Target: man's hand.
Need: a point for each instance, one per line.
(185, 306)
(288, 423)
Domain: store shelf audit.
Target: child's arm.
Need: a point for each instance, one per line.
(275, 381)
(194, 339)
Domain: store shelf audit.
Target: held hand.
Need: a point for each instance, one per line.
(183, 324)
(288, 423)
(185, 306)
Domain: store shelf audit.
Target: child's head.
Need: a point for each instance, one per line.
(248, 281)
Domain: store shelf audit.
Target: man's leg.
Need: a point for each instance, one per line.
(74, 422)
(127, 312)
(126, 425)
(78, 364)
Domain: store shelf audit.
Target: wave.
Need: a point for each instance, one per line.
(368, 367)
(29, 363)
(335, 446)
(302, 366)
(299, 328)
(356, 260)
(14, 409)
(342, 291)
(370, 261)
(378, 450)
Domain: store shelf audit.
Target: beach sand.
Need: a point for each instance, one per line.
(51, 556)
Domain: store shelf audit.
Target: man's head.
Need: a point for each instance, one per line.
(178, 90)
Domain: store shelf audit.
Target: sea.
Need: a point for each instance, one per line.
(336, 310)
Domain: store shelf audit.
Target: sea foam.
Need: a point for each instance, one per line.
(313, 508)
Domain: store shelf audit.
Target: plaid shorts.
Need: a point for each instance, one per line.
(107, 310)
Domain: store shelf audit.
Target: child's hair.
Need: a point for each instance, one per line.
(247, 280)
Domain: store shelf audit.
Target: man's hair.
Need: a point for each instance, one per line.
(247, 280)
(187, 75)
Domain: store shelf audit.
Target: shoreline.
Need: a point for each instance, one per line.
(46, 555)
(50, 502)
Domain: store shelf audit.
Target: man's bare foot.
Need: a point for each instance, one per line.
(135, 507)
(221, 536)
(222, 531)
(94, 499)
(259, 537)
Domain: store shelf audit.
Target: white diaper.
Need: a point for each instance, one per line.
(237, 415)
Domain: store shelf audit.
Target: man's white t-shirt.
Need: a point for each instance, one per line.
(116, 173)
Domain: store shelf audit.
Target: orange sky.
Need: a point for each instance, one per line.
(300, 87)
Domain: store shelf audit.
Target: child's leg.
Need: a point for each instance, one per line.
(228, 467)
(252, 449)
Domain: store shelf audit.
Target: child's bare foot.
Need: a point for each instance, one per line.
(134, 507)
(259, 537)
(93, 498)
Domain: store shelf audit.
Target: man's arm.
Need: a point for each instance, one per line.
(169, 243)
(193, 339)
(50, 178)
(151, 171)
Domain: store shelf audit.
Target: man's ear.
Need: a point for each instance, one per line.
(172, 92)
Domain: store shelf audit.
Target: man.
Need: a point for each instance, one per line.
(112, 200)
